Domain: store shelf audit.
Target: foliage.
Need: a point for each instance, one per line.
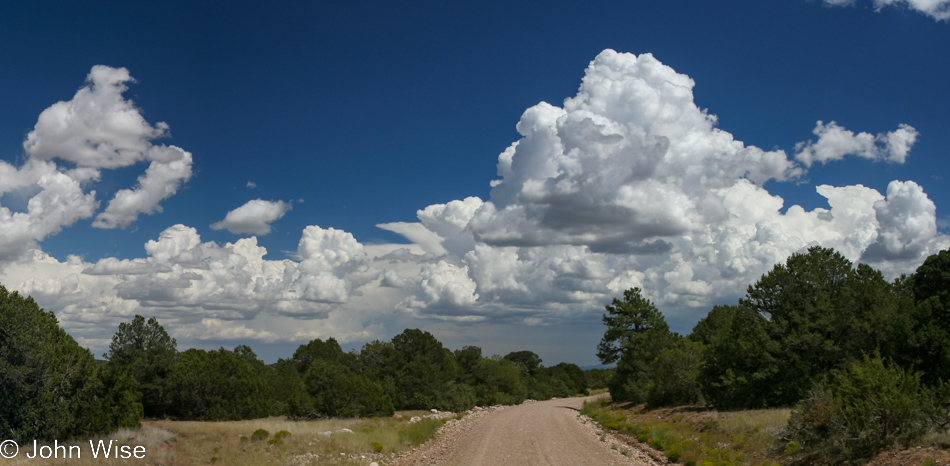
(417, 433)
(636, 334)
(276, 389)
(859, 411)
(823, 314)
(571, 376)
(806, 317)
(337, 391)
(328, 382)
(738, 368)
(422, 369)
(528, 360)
(598, 378)
(217, 385)
(498, 381)
(50, 387)
(288, 392)
(120, 400)
(319, 350)
(929, 340)
(675, 373)
(467, 360)
(143, 350)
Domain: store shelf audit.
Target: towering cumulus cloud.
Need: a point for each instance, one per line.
(629, 183)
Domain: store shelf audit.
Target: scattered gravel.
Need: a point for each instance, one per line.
(626, 445)
(447, 437)
(534, 433)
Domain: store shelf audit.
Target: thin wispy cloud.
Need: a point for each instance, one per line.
(936, 9)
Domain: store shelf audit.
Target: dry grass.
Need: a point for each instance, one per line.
(234, 443)
(696, 435)
(771, 421)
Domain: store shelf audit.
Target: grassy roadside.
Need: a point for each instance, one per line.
(695, 436)
(272, 441)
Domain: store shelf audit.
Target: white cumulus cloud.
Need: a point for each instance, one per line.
(254, 217)
(835, 142)
(202, 290)
(97, 130)
(54, 199)
(629, 183)
(161, 180)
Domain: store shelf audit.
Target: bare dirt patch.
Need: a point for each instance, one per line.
(911, 456)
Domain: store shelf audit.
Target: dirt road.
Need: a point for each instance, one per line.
(538, 434)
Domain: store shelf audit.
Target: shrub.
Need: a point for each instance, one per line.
(859, 412)
(643, 436)
(377, 447)
(418, 432)
(282, 434)
(259, 434)
(673, 453)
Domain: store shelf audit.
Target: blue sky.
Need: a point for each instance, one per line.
(356, 114)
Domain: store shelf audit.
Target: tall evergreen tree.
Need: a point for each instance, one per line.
(819, 309)
(144, 350)
(636, 334)
(425, 373)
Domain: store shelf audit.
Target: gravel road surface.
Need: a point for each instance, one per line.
(535, 433)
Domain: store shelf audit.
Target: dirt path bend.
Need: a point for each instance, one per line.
(538, 434)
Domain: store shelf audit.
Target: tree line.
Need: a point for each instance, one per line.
(54, 389)
(863, 361)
